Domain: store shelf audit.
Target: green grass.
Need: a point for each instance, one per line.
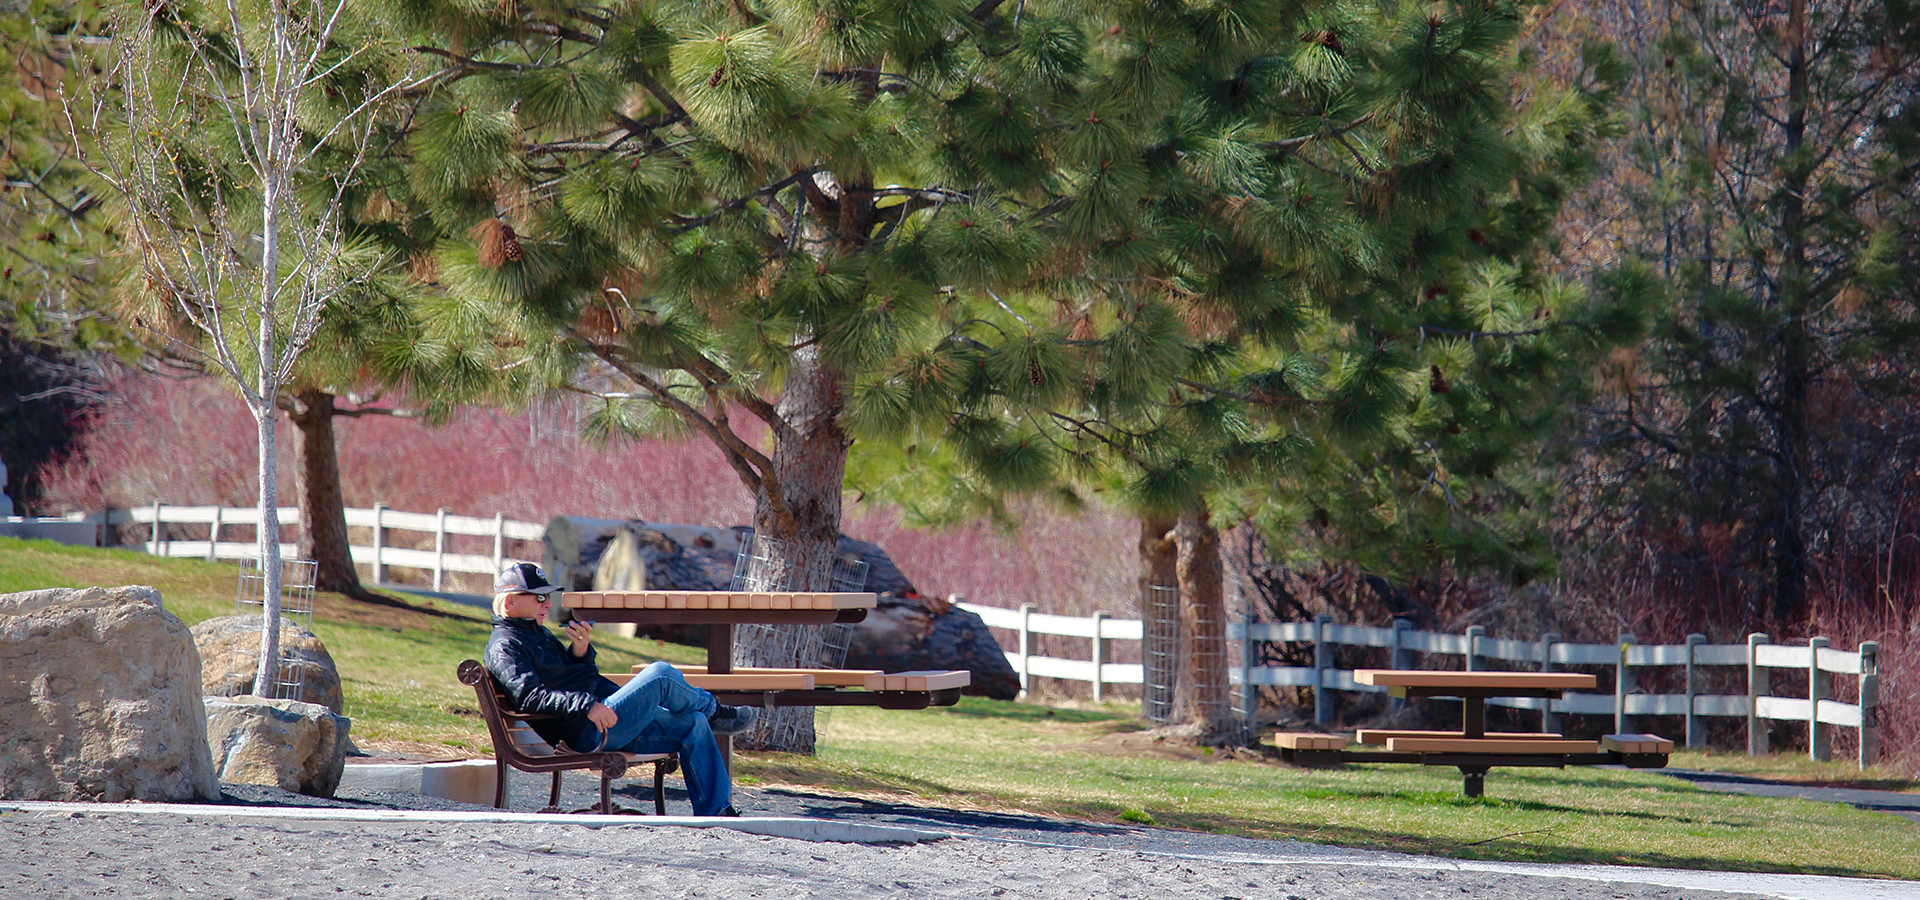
(397, 670)
(987, 755)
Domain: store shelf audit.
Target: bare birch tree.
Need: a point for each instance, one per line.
(233, 131)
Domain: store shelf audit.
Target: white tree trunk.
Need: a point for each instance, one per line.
(268, 672)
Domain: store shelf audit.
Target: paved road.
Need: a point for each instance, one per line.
(1904, 805)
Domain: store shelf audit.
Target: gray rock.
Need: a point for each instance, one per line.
(100, 693)
(288, 744)
(230, 653)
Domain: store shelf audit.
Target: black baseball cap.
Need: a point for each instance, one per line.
(523, 578)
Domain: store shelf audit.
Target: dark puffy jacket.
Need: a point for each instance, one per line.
(539, 674)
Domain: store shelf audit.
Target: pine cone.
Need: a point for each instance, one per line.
(1437, 383)
(1035, 376)
(495, 244)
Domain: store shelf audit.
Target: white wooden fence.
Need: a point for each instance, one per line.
(381, 521)
(1816, 662)
(1101, 628)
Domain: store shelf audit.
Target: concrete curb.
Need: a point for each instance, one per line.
(769, 826)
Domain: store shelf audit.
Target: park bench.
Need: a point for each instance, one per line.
(516, 744)
(1473, 749)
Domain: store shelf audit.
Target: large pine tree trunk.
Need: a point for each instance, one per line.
(1159, 573)
(799, 502)
(1203, 619)
(796, 531)
(323, 513)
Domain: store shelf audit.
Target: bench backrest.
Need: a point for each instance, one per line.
(507, 728)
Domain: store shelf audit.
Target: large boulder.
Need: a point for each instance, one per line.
(605, 555)
(288, 744)
(906, 632)
(100, 693)
(909, 633)
(230, 655)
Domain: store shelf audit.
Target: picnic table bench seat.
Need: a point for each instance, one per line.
(779, 679)
(1545, 745)
(1382, 735)
(821, 677)
(1300, 740)
(516, 744)
(1636, 743)
(1475, 756)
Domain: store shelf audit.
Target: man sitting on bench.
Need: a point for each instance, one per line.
(656, 712)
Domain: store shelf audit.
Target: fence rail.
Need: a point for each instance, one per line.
(1815, 661)
(382, 521)
(1100, 628)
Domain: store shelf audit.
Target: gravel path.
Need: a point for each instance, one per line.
(123, 851)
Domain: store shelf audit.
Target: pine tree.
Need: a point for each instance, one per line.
(710, 212)
(1762, 207)
(55, 252)
(1322, 271)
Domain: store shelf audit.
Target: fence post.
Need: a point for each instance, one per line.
(1249, 703)
(379, 543)
(1622, 685)
(213, 532)
(110, 526)
(439, 545)
(1474, 634)
(1549, 720)
(1869, 703)
(1322, 705)
(1756, 689)
(153, 542)
(1026, 643)
(1696, 724)
(1402, 658)
(1819, 687)
(1099, 654)
(499, 541)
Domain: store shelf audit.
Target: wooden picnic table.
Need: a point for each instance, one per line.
(1472, 749)
(1473, 689)
(721, 611)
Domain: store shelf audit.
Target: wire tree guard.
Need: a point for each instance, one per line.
(296, 607)
(789, 728)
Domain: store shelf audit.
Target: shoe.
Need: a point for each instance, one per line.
(732, 719)
(729, 811)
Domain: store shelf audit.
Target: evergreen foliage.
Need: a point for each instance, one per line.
(1325, 307)
(1761, 215)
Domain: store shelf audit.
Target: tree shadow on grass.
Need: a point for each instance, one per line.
(1000, 710)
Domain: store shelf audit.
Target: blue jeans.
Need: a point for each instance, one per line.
(659, 712)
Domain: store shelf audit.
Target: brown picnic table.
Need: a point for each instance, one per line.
(768, 688)
(1472, 749)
